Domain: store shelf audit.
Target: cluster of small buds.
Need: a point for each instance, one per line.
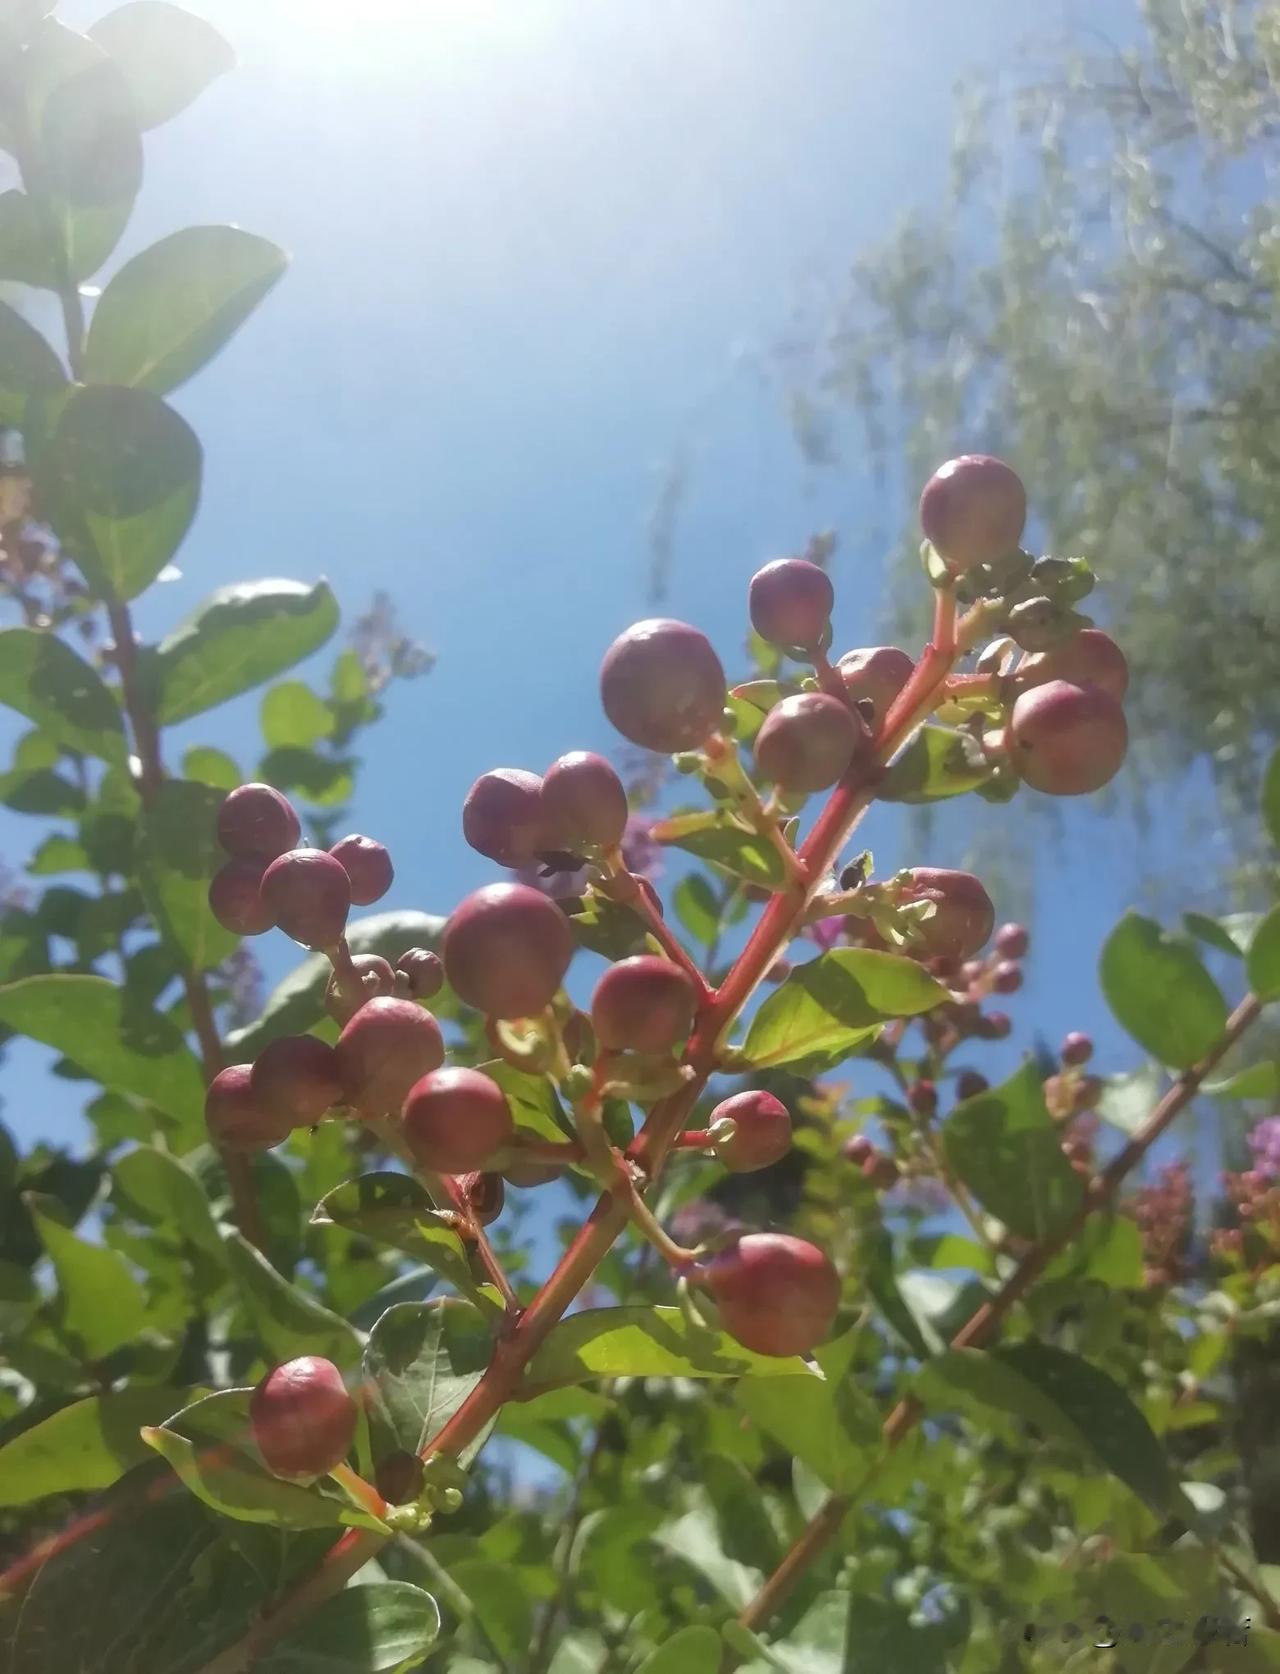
(1253, 1199)
(1164, 1211)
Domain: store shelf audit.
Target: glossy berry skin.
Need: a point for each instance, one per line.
(1012, 941)
(762, 1133)
(584, 802)
(423, 972)
(808, 741)
(973, 510)
(777, 1295)
(969, 1084)
(297, 1076)
(790, 601)
(995, 1025)
(963, 915)
(236, 1118)
(308, 893)
(875, 675)
(506, 949)
(1067, 740)
(484, 1195)
(455, 1119)
(858, 1149)
(302, 1418)
(387, 1046)
(367, 865)
(235, 897)
(1007, 977)
(1089, 658)
(1077, 1048)
(256, 820)
(502, 816)
(343, 997)
(644, 1004)
(662, 685)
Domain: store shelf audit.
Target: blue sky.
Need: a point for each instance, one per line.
(535, 244)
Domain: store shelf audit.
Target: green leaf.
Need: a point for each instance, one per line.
(233, 1484)
(1229, 934)
(208, 766)
(288, 1321)
(1258, 1081)
(86, 1446)
(647, 1342)
(833, 1003)
(120, 480)
(27, 256)
(1160, 992)
(394, 1209)
(1004, 1146)
(697, 907)
(325, 780)
(292, 715)
(834, 1429)
(27, 365)
(502, 1608)
(1271, 797)
(1263, 962)
(379, 1629)
(752, 701)
(100, 1303)
(535, 1108)
(718, 839)
(239, 637)
(171, 308)
(1126, 1101)
(693, 1650)
(938, 763)
(695, 1540)
(58, 855)
(178, 853)
(606, 927)
(421, 1362)
(116, 1040)
(1109, 1250)
(43, 678)
(167, 55)
(165, 1188)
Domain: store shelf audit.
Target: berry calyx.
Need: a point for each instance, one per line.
(345, 993)
(1012, 941)
(790, 601)
(297, 1076)
(387, 1046)
(423, 972)
(255, 820)
(302, 1418)
(367, 865)
(1007, 977)
(484, 1195)
(643, 1004)
(455, 1119)
(761, 1131)
(808, 741)
(1077, 1048)
(875, 675)
(236, 1118)
(584, 802)
(662, 685)
(776, 1294)
(235, 897)
(506, 949)
(1089, 658)
(973, 510)
(1067, 740)
(502, 816)
(963, 914)
(308, 894)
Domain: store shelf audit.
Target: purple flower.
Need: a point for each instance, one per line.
(642, 855)
(1264, 1142)
(826, 932)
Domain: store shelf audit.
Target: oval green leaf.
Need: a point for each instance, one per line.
(379, 1628)
(831, 1005)
(1005, 1148)
(99, 1302)
(43, 678)
(167, 55)
(87, 1446)
(647, 1342)
(1263, 961)
(421, 1362)
(288, 1320)
(1160, 992)
(27, 364)
(178, 853)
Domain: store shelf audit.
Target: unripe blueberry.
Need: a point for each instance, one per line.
(995, 1025)
(922, 1098)
(506, 949)
(1077, 1048)
(762, 1131)
(502, 816)
(969, 1084)
(368, 866)
(662, 686)
(387, 1046)
(1089, 658)
(776, 1294)
(455, 1119)
(423, 972)
(399, 1478)
(973, 510)
(308, 893)
(1067, 740)
(344, 996)
(1012, 941)
(298, 1077)
(302, 1418)
(1007, 977)
(963, 915)
(484, 1194)
(236, 1118)
(584, 802)
(256, 820)
(644, 1004)
(235, 897)
(858, 1149)
(875, 675)
(790, 602)
(809, 740)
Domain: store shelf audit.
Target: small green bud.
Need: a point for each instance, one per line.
(578, 1083)
(687, 761)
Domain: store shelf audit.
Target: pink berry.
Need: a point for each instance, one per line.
(762, 1131)
(236, 1118)
(235, 897)
(1077, 1048)
(309, 895)
(995, 1025)
(922, 1098)
(875, 675)
(969, 1084)
(1089, 658)
(662, 686)
(973, 510)
(963, 914)
(302, 1418)
(777, 1295)
(256, 820)
(297, 1076)
(1067, 740)
(1012, 941)
(423, 972)
(584, 802)
(387, 1046)
(502, 816)
(808, 741)
(790, 601)
(858, 1149)
(506, 949)
(644, 1004)
(1007, 977)
(368, 866)
(455, 1119)
(344, 994)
